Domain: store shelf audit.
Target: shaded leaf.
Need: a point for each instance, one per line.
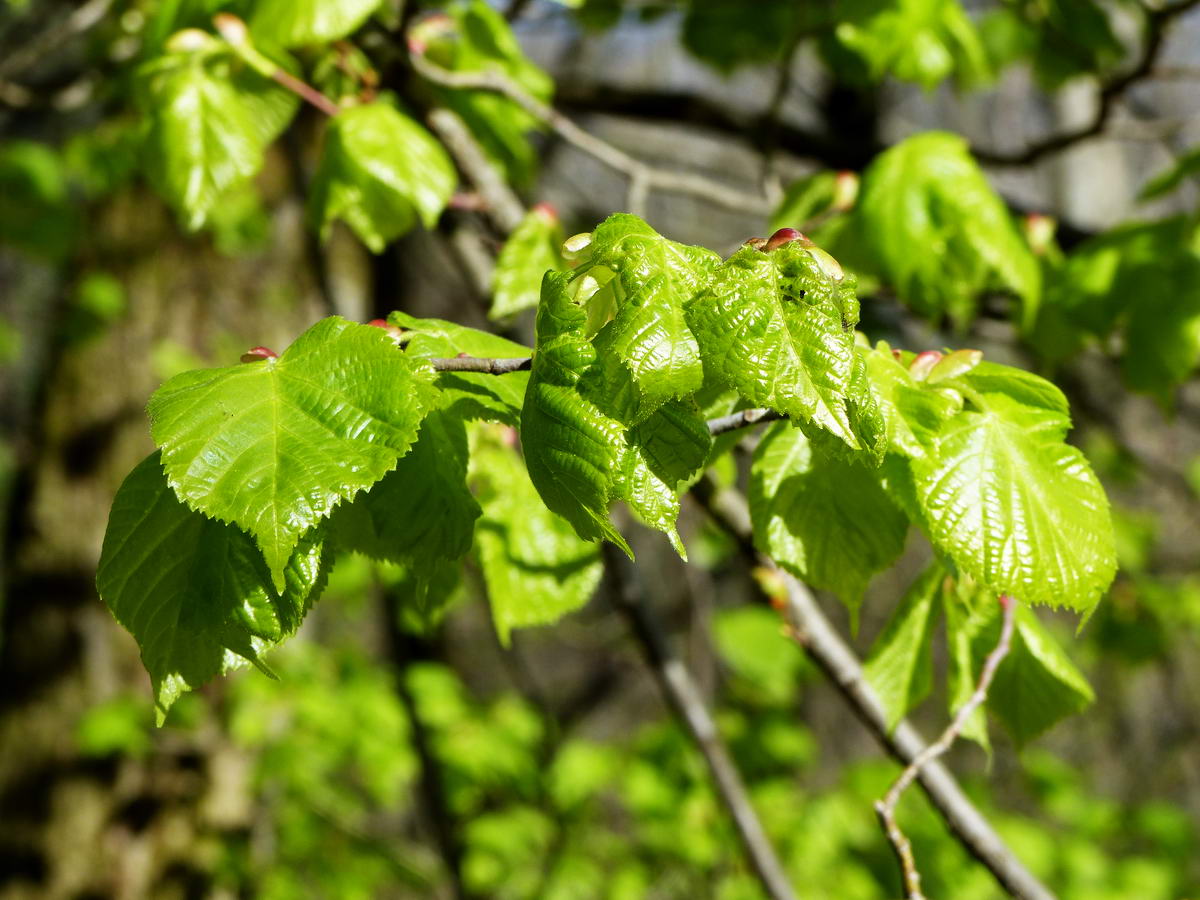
(294, 23)
(900, 665)
(530, 251)
(380, 172)
(195, 593)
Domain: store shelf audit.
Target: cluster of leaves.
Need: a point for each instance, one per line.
(355, 440)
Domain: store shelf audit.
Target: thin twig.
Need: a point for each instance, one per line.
(742, 419)
(810, 628)
(886, 808)
(305, 92)
(1111, 91)
(682, 695)
(485, 366)
(668, 180)
(499, 200)
(37, 48)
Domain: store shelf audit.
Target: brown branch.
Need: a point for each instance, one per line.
(485, 366)
(683, 696)
(305, 92)
(1111, 90)
(742, 419)
(667, 180)
(886, 808)
(810, 628)
(499, 200)
(37, 48)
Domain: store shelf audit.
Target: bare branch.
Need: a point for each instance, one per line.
(683, 696)
(500, 202)
(82, 19)
(667, 180)
(742, 419)
(1111, 90)
(810, 628)
(486, 366)
(886, 808)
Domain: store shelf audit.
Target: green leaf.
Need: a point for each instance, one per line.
(939, 232)
(195, 593)
(380, 172)
(727, 35)
(804, 200)
(923, 41)
(900, 665)
(294, 23)
(422, 510)
(472, 395)
(968, 611)
(647, 354)
(533, 249)
(535, 566)
(779, 328)
(36, 210)
(1014, 506)
(572, 449)
(824, 518)
(274, 446)
(203, 136)
(476, 38)
(1187, 166)
(1036, 685)
(911, 412)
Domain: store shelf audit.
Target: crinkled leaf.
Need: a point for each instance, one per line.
(195, 593)
(821, 516)
(647, 354)
(1013, 505)
(294, 23)
(572, 449)
(274, 446)
(911, 412)
(473, 395)
(530, 251)
(203, 137)
(380, 172)
(939, 232)
(779, 328)
(535, 566)
(420, 511)
(900, 665)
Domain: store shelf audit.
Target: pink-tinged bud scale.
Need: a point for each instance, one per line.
(257, 354)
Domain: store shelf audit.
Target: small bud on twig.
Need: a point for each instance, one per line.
(923, 362)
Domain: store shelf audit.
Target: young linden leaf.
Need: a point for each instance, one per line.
(823, 517)
(472, 395)
(911, 412)
(572, 449)
(202, 137)
(422, 510)
(1036, 685)
(900, 665)
(939, 232)
(274, 446)
(195, 593)
(530, 251)
(647, 353)
(779, 328)
(969, 611)
(380, 171)
(535, 566)
(295, 23)
(1013, 505)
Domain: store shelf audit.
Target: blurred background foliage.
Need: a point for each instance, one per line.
(1014, 175)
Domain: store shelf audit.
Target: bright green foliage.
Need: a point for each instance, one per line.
(294, 23)
(1063, 38)
(536, 568)
(939, 232)
(1004, 497)
(779, 328)
(1142, 280)
(900, 667)
(823, 517)
(804, 200)
(473, 395)
(420, 512)
(476, 38)
(274, 446)
(646, 355)
(727, 35)
(924, 41)
(531, 250)
(195, 592)
(380, 172)
(572, 449)
(203, 135)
